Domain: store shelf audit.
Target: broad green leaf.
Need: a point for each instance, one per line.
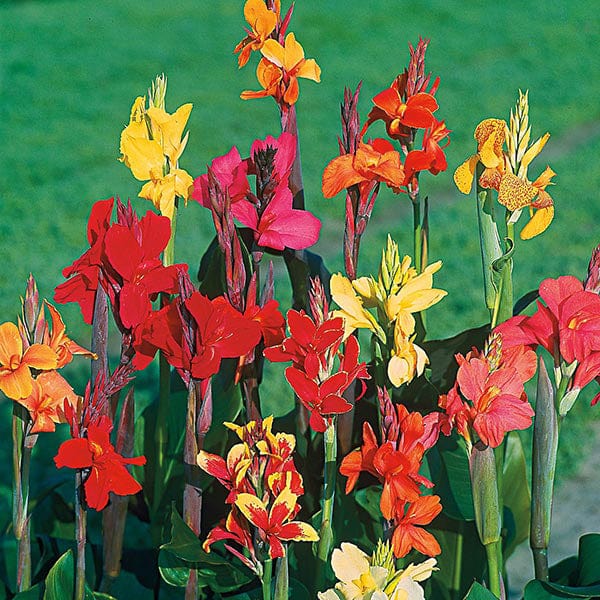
(462, 560)
(449, 467)
(34, 593)
(589, 559)
(515, 492)
(539, 590)
(369, 498)
(183, 543)
(478, 592)
(302, 265)
(60, 579)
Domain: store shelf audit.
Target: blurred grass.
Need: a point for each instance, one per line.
(69, 72)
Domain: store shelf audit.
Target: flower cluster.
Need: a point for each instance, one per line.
(30, 356)
(264, 487)
(151, 146)
(90, 450)
(567, 325)
(396, 463)
(268, 212)
(282, 61)
(406, 108)
(397, 294)
(488, 397)
(313, 345)
(124, 260)
(363, 577)
(506, 170)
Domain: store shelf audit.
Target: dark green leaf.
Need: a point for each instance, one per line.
(478, 592)
(369, 498)
(59, 583)
(538, 590)
(34, 593)
(589, 559)
(515, 492)
(524, 301)
(302, 265)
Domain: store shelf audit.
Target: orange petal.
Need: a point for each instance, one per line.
(310, 70)
(544, 179)
(292, 92)
(10, 343)
(294, 53)
(339, 174)
(40, 356)
(273, 51)
(18, 383)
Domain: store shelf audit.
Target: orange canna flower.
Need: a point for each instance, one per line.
(58, 340)
(409, 532)
(377, 161)
(47, 398)
(262, 22)
(280, 68)
(16, 380)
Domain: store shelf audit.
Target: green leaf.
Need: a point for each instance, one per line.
(60, 580)
(589, 559)
(478, 592)
(34, 593)
(539, 590)
(449, 467)
(302, 265)
(515, 492)
(524, 301)
(369, 498)
(184, 552)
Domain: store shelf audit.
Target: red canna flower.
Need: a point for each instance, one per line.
(106, 470)
(431, 158)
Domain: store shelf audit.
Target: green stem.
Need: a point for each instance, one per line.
(169, 253)
(266, 578)
(80, 537)
(417, 232)
(160, 433)
(458, 555)
(491, 551)
(329, 475)
(282, 578)
(21, 526)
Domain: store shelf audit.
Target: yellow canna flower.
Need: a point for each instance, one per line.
(151, 146)
(352, 310)
(407, 361)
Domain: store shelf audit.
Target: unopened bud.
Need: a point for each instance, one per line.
(592, 282)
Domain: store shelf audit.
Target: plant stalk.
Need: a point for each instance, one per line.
(492, 553)
(80, 537)
(266, 578)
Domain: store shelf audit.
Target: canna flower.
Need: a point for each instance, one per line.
(273, 525)
(506, 170)
(363, 577)
(414, 112)
(431, 158)
(16, 362)
(46, 402)
(280, 68)
(374, 161)
(492, 383)
(107, 470)
(409, 532)
(58, 340)
(407, 360)
(262, 23)
(151, 146)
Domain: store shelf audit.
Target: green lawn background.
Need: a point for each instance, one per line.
(69, 72)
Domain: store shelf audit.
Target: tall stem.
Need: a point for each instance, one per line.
(80, 537)
(458, 556)
(192, 493)
(328, 497)
(491, 551)
(417, 231)
(266, 578)
(21, 526)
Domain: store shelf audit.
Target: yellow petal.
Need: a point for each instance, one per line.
(465, 173)
(534, 150)
(168, 129)
(273, 51)
(544, 179)
(142, 156)
(368, 291)
(354, 314)
(538, 223)
(294, 52)
(310, 70)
